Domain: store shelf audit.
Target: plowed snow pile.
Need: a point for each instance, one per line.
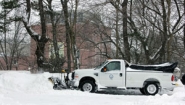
(25, 82)
(24, 88)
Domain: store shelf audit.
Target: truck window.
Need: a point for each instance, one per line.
(99, 66)
(114, 65)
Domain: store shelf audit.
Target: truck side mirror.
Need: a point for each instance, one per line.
(104, 69)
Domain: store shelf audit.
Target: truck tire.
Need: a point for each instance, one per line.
(151, 89)
(142, 91)
(87, 86)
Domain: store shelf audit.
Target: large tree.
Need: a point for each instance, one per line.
(121, 6)
(40, 39)
(153, 28)
(11, 35)
(70, 17)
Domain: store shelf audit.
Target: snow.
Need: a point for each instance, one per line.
(24, 88)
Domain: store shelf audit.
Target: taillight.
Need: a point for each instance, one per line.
(172, 78)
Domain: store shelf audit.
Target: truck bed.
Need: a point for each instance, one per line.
(136, 78)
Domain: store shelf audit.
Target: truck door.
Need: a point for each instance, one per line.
(111, 75)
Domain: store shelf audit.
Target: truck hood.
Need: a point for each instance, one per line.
(84, 70)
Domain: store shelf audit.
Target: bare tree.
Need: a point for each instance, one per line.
(170, 29)
(122, 7)
(11, 39)
(68, 31)
(184, 27)
(70, 25)
(40, 40)
(153, 28)
(54, 31)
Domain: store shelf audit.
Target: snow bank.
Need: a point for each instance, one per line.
(23, 88)
(24, 82)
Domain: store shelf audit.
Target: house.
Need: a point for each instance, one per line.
(88, 39)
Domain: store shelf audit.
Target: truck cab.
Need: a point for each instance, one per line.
(112, 74)
(119, 74)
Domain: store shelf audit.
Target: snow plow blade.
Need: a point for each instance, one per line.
(57, 83)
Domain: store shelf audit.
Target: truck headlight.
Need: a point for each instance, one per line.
(76, 76)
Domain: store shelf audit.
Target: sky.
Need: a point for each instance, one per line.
(24, 88)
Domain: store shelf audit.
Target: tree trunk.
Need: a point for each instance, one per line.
(68, 32)
(125, 35)
(169, 42)
(73, 38)
(117, 35)
(164, 33)
(55, 42)
(184, 28)
(43, 40)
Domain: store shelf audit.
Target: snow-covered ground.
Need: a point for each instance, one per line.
(23, 88)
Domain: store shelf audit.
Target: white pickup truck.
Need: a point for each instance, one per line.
(119, 74)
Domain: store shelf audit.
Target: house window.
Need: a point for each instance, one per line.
(80, 17)
(60, 47)
(15, 62)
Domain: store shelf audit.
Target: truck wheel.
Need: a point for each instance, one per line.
(142, 91)
(87, 86)
(151, 89)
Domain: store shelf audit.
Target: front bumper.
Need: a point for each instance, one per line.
(75, 83)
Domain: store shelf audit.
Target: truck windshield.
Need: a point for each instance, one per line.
(99, 66)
